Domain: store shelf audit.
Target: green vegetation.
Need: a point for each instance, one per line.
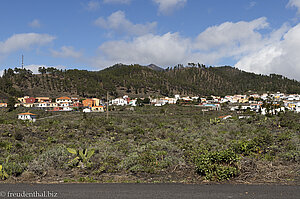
(140, 81)
(217, 165)
(150, 144)
(3, 174)
(82, 158)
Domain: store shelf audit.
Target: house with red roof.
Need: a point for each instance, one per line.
(3, 104)
(30, 100)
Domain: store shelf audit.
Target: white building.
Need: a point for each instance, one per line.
(41, 105)
(264, 96)
(67, 109)
(64, 104)
(132, 102)
(293, 97)
(63, 100)
(119, 102)
(27, 116)
(86, 110)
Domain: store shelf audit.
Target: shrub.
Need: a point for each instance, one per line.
(245, 147)
(56, 158)
(13, 168)
(109, 164)
(19, 136)
(148, 161)
(217, 165)
(291, 156)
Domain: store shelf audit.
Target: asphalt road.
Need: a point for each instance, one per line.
(168, 191)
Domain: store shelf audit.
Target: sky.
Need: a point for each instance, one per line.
(261, 36)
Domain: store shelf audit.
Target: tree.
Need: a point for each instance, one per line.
(42, 70)
(251, 98)
(11, 104)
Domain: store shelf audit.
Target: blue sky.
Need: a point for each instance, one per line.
(261, 36)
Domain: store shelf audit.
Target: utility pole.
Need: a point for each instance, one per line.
(107, 103)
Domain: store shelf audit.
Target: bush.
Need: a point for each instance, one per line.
(245, 147)
(13, 169)
(55, 158)
(19, 136)
(217, 165)
(256, 145)
(109, 164)
(293, 156)
(148, 161)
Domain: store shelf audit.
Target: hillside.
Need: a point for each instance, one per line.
(139, 81)
(170, 144)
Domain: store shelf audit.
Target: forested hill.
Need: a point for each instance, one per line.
(138, 81)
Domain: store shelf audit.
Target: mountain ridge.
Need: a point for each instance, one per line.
(140, 81)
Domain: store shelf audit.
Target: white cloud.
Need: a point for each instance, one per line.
(163, 50)
(35, 23)
(168, 6)
(234, 40)
(66, 51)
(294, 3)
(34, 67)
(24, 41)
(117, 22)
(242, 42)
(280, 57)
(215, 43)
(92, 5)
(117, 1)
(228, 34)
(251, 4)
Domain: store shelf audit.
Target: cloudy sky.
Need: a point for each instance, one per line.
(261, 36)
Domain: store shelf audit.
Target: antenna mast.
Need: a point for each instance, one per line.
(22, 61)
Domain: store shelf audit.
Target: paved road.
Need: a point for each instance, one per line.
(141, 191)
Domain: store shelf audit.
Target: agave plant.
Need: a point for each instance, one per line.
(3, 174)
(82, 158)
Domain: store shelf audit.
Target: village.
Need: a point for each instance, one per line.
(267, 103)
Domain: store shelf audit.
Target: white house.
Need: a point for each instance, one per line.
(75, 100)
(223, 100)
(255, 107)
(132, 102)
(177, 97)
(119, 102)
(64, 104)
(67, 109)
(41, 105)
(255, 96)
(63, 100)
(195, 98)
(171, 100)
(293, 97)
(27, 116)
(264, 96)
(86, 110)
